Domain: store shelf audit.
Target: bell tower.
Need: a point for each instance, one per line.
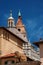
(19, 25)
(10, 20)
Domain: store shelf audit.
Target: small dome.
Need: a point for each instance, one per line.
(10, 15)
(10, 18)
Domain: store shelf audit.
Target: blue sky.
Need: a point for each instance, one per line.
(32, 15)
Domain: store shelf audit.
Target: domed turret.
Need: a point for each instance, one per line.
(10, 20)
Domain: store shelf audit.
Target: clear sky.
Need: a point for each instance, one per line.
(32, 15)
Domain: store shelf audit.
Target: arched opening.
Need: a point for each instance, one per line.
(9, 62)
(6, 63)
(12, 61)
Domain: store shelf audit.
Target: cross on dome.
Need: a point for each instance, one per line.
(10, 13)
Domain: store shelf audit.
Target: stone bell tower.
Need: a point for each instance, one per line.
(20, 26)
(10, 20)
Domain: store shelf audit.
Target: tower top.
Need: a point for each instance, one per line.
(19, 13)
(10, 15)
(41, 39)
(19, 21)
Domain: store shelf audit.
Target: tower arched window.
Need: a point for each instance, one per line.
(11, 24)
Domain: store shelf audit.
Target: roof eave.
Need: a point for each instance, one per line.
(14, 35)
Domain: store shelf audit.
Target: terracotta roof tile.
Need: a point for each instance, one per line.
(8, 55)
(17, 33)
